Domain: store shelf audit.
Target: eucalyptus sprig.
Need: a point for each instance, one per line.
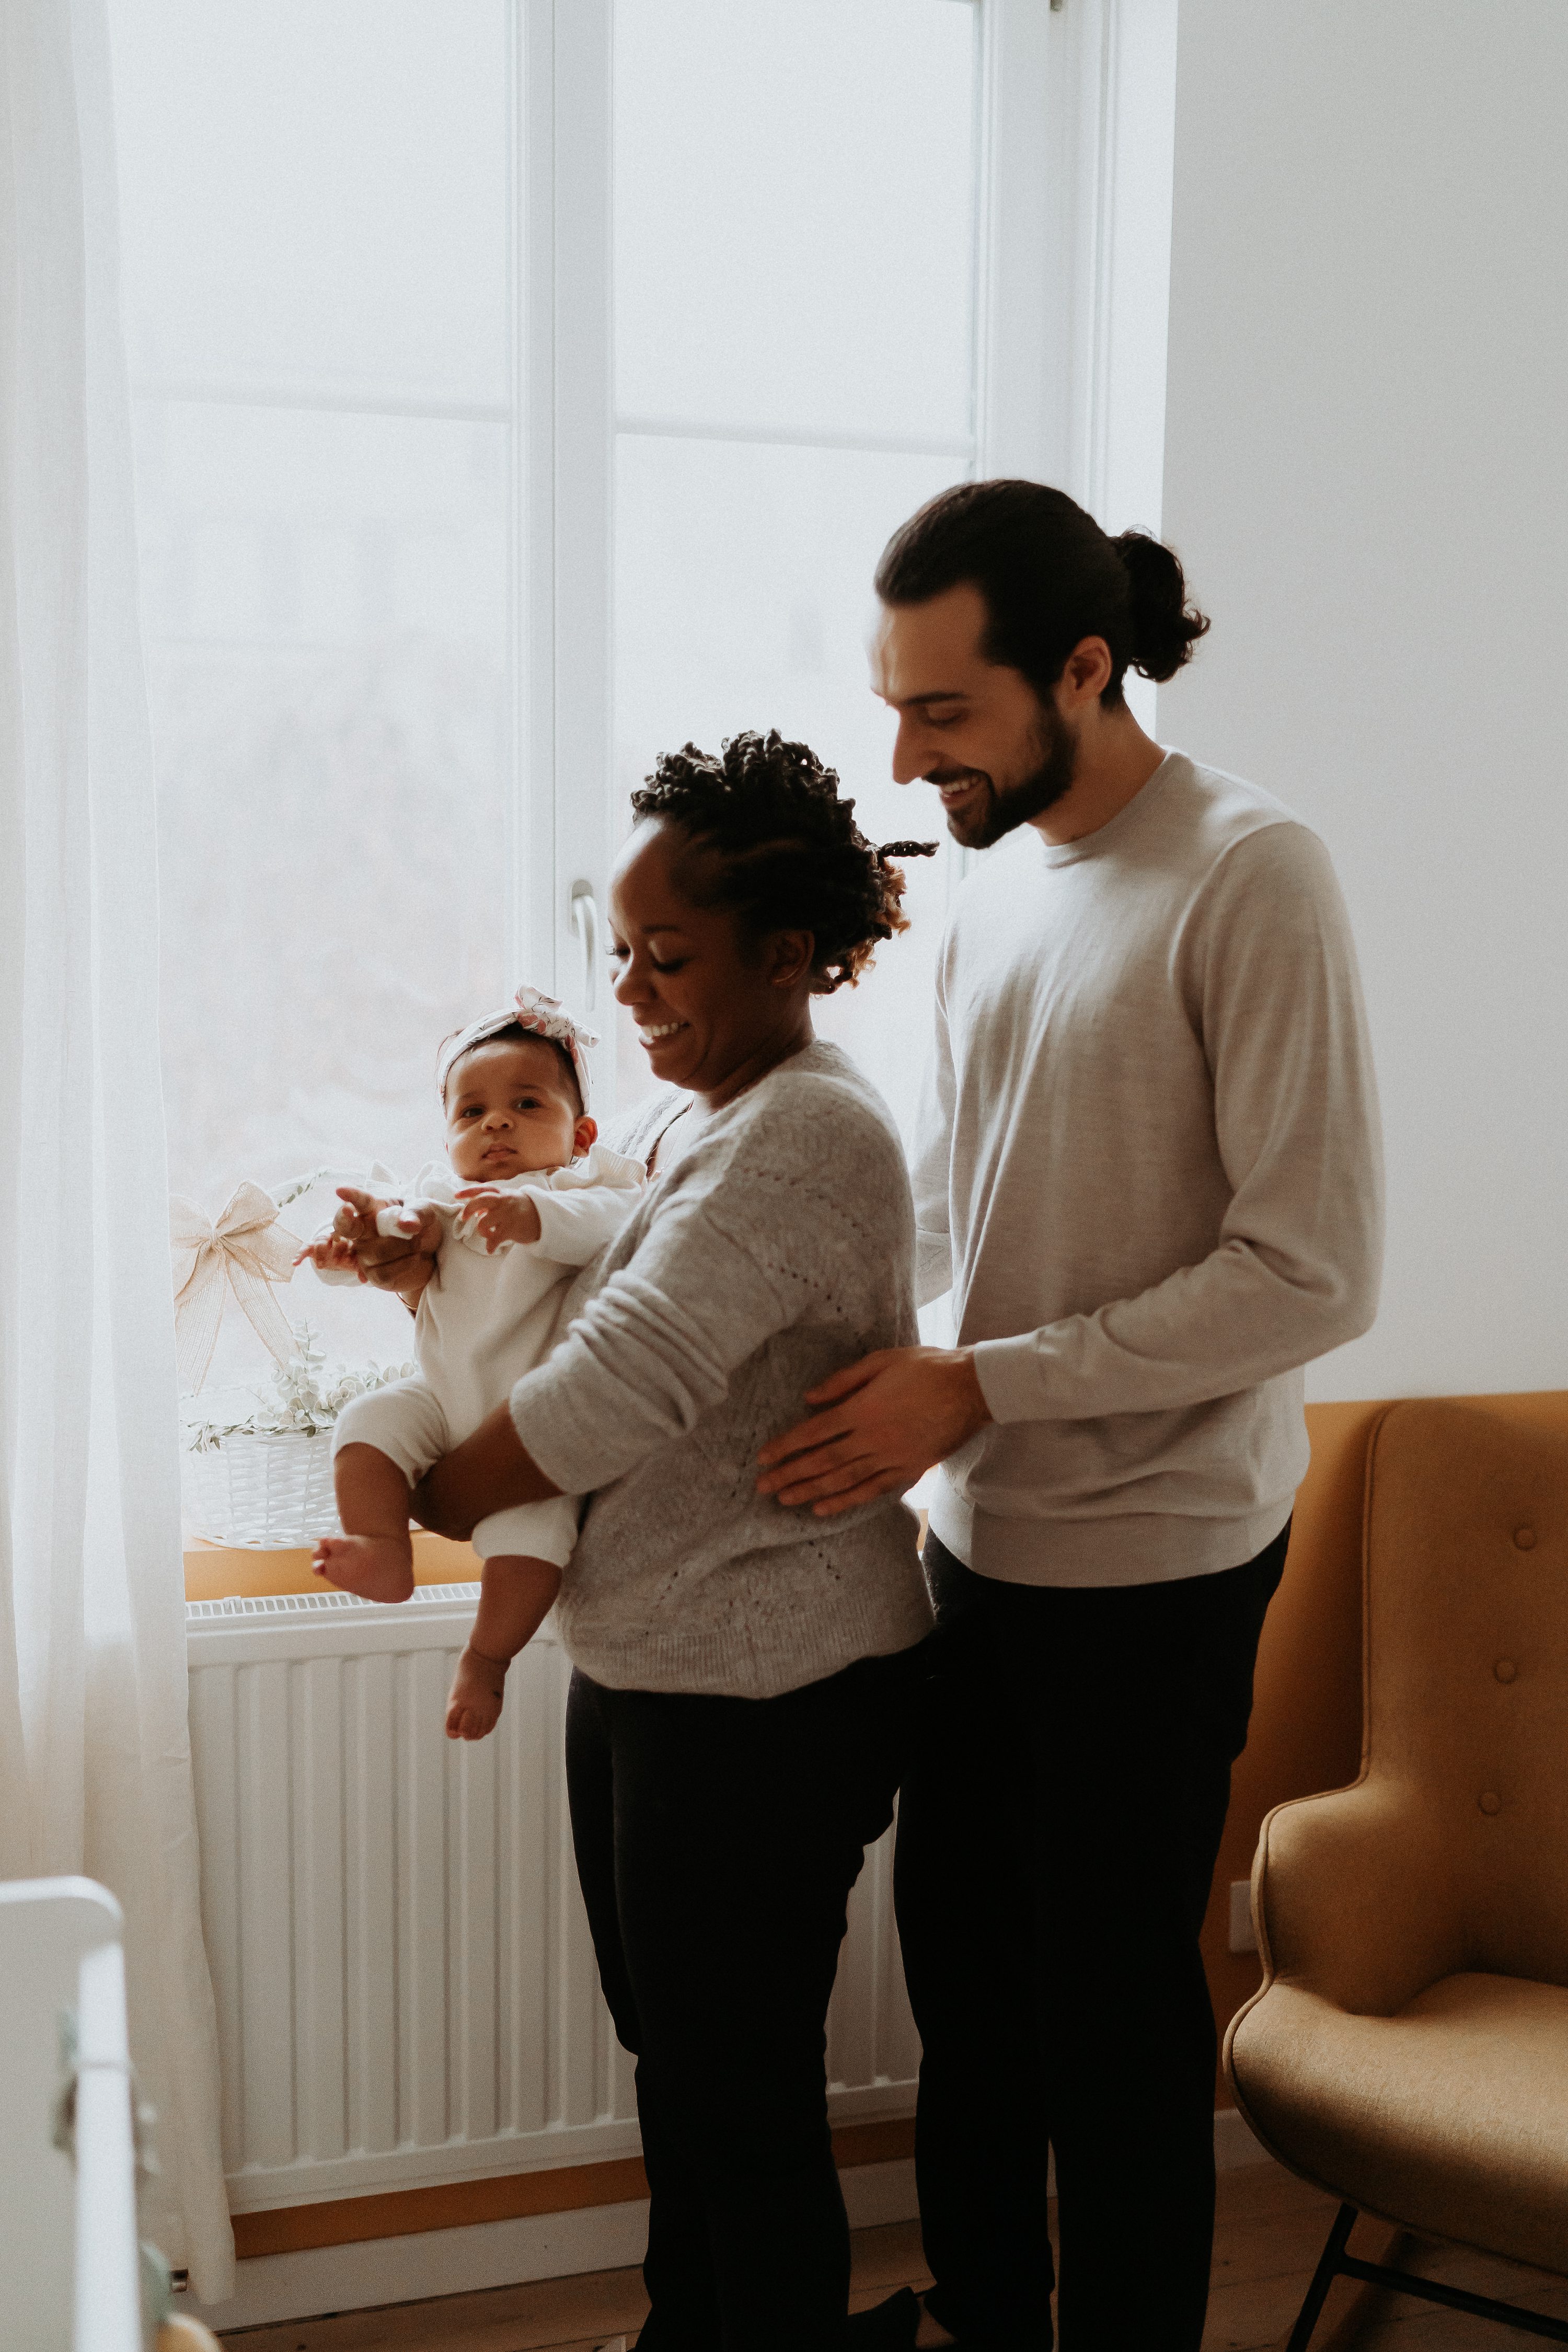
(300, 1186)
(306, 1400)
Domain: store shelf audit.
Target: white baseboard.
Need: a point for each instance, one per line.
(274, 2287)
(490, 2253)
(432, 2262)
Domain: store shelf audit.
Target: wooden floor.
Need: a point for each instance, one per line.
(1271, 2231)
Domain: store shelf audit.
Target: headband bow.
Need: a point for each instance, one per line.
(531, 1009)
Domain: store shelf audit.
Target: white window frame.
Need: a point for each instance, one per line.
(1077, 105)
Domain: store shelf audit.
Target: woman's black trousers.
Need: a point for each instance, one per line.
(716, 1840)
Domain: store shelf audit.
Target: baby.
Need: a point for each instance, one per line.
(525, 1197)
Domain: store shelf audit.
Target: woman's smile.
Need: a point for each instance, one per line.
(745, 1009)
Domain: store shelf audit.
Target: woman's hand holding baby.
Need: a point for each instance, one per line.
(401, 1262)
(496, 1216)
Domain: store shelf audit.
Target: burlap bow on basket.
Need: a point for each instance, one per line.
(246, 1250)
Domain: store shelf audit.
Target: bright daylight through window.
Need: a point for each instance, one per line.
(325, 221)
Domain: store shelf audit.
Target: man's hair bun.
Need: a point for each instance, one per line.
(1049, 577)
(1164, 626)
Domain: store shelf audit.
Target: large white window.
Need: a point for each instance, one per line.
(316, 227)
(793, 272)
(522, 388)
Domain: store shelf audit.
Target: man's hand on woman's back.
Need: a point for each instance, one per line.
(878, 1426)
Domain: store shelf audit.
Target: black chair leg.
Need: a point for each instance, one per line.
(1323, 2278)
(1337, 2264)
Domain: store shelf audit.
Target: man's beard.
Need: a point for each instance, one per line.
(1006, 807)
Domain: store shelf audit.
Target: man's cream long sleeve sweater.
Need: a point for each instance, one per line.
(1149, 1167)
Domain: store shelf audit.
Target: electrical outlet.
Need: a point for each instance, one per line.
(1242, 1938)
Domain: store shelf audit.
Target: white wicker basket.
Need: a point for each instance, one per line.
(263, 1493)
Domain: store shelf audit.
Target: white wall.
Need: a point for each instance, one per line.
(1366, 473)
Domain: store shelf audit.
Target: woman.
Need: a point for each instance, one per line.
(742, 1675)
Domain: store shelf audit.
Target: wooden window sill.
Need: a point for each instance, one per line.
(228, 1572)
(224, 1571)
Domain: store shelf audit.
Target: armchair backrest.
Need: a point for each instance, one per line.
(1466, 1667)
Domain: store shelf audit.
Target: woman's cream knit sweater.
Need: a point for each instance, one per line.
(778, 1248)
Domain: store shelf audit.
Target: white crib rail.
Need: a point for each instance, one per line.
(68, 2249)
(108, 2281)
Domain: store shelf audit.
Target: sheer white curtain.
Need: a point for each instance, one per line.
(94, 1755)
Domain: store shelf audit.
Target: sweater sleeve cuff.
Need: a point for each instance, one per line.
(1008, 1371)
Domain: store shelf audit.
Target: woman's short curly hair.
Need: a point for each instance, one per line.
(785, 852)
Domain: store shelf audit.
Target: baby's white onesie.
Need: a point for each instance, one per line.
(486, 1318)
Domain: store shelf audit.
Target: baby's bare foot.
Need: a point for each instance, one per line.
(474, 1701)
(378, 1567)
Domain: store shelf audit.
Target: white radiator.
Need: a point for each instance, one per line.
(406, 1993)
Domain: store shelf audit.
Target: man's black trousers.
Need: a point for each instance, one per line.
(716, 1840)
(1057, 1834)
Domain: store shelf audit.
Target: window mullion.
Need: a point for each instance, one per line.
(1079, 109)
(567, 519)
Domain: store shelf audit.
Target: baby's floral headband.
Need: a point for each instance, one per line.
(546, 1016)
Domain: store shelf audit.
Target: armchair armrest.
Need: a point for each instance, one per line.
(1357, 1897)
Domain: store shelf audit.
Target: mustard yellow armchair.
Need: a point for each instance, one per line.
(1408, 2047)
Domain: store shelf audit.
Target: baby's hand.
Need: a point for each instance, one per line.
(498, 1217)
(357, 1213)
(403, 1261)
(329, 1254)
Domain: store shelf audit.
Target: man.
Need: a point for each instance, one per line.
(1149, 1168)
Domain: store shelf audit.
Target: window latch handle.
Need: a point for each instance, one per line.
(584, 918)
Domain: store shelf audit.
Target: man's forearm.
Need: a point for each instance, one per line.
(1231, 1322)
